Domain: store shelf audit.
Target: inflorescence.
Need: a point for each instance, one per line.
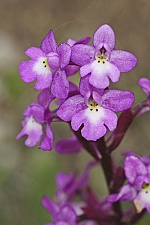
(90, 110)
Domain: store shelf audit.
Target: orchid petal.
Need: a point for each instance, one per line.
(82, 54)
(124, 61)
(49, 43)
(34, 53)
(64, 52)
(47, 142)
(104, 34)
(60, 85)
(127, 193)
(134, 167)
(70, 107)
(117, 100)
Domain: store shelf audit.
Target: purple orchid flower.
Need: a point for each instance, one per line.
(101, 60)
(47, 66)
(96, 111)
(40, 67)
(61, 215)
(36, 115)
(137, 172)
(32, 124)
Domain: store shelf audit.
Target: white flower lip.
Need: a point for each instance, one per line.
(94, 112)
(41, 66)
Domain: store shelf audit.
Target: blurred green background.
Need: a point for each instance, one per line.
(28, 174)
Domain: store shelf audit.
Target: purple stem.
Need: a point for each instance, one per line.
(108, 168)
(88, 145)
(124, 122)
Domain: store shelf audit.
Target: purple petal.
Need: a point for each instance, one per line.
(86, 69)
(49, 43)
(37, 112)
(82, 54)
(48, 140)
(125, 61)
(87, 98)
(127, 193)
(117, 100)
(77, 120)
(64, 181)
(133, 168)
(88, 131)
(26, 71)
(104, 34)
(140, 180)
(97, 95)
(68, 146)
(45, 98)
(67, 214)
(53, 60)
(70, 107)
(64, 52)
(84, 85)
(71, 70)
(50, 206)
(34, 53)
(99, 82)
(73, 89)
(28, 111)
(110, 119)
(71, 42)
(60, 85)
(145, 85)
(84, 40)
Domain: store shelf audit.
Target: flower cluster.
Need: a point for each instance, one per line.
(90, 110)
(137, 172)
(92, 106)
(66, 210)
